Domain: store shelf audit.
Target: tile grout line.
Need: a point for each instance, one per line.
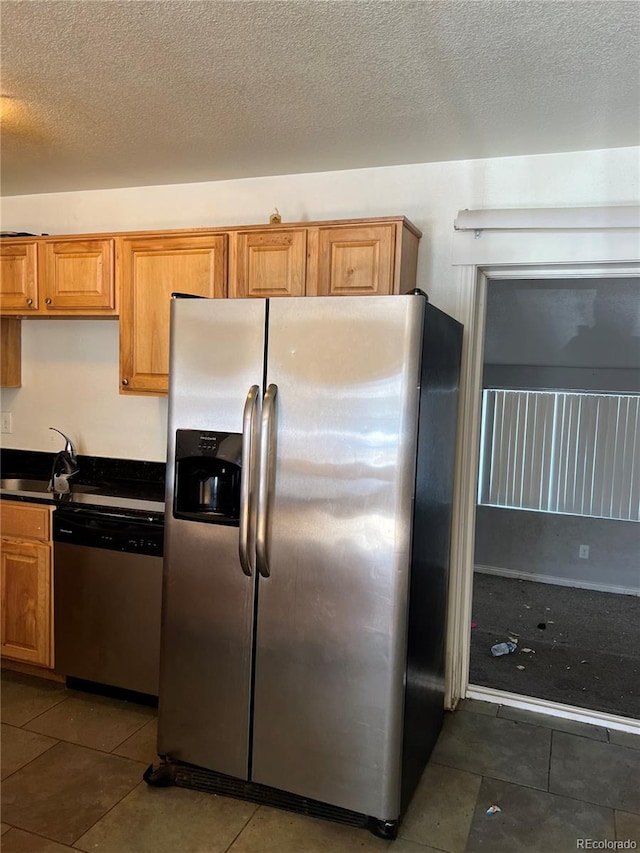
(117, 746)
(108, 811)
(555, 729)
(540, 726)
(133, 734)
(488, 776)
(37, 834)
(462, 770)
(475, 808)
(419, 844)
(562, 796)
(40, 713)
(33, 719)
(57, 841)
(246, 824)
(81, 696)
(31, 760)
(84, 745)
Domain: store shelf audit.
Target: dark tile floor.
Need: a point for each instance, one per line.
(72, 765)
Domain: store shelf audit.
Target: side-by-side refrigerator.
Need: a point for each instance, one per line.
(308, 521)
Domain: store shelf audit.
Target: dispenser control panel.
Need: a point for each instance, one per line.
(207, 476)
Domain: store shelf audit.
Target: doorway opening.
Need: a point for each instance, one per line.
(557, 535)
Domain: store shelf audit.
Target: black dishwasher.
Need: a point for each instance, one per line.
(107, 596)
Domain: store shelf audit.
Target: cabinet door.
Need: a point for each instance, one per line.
(18, 269)
(151, 269)
(10, 352)
(352, 260)
(268, 263)
(26, 602)
(77, 276)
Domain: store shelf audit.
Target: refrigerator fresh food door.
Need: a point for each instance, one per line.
(341, 432)
(217, 356)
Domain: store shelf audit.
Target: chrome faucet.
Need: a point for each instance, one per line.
(65, 466)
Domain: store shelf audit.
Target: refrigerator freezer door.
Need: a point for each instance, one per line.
(331, 630)
(217, 354)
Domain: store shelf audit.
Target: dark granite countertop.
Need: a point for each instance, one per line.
(110, 503)
(112, 484)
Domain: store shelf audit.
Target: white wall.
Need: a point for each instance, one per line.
(70, 368)
(544, 546)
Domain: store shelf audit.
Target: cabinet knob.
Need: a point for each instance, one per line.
(125, 381)
(47, 301)
(29, 301)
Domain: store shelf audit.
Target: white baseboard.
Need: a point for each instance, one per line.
(578, 584)
(554, 709)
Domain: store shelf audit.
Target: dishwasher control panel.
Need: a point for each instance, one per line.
(133, 534)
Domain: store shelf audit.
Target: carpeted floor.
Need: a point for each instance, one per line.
(585, 646)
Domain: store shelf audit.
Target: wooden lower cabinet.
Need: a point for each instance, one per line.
(26, 567)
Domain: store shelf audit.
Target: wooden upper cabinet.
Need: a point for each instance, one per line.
(151, 269)
(268, 263)
(352, 260)
(77, 276)
(10, 352)
(18, 271)
(373, 259)
(132, 275)
(70, 277)
(348, 258)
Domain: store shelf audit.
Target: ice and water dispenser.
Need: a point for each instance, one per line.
(208, 472)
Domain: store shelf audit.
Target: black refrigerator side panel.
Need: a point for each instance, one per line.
(424, 698)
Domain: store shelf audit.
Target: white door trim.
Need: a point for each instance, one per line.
(554, 709)
(471, 310)
(473, 281)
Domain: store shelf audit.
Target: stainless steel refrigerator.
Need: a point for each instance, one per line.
(307, 528)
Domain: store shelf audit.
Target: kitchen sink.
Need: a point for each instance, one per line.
(22, 484)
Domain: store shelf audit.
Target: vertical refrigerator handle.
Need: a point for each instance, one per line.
(267, 456)
(246, 543)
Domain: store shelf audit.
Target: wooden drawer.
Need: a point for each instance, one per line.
(25, 521)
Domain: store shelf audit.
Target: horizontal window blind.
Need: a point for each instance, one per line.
(562, 452)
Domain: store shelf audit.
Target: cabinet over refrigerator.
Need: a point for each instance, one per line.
(309, 483)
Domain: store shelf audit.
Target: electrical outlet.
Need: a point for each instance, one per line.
(584, 552)
(5, 421)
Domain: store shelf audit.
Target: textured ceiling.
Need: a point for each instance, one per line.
(107, 94)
